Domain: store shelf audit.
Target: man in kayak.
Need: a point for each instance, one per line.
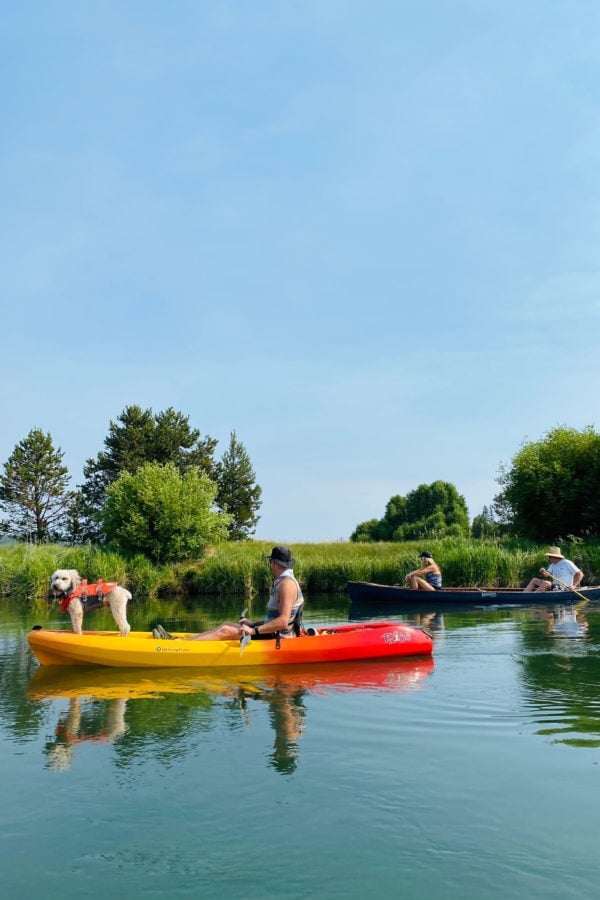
(284, 608)
(428, 577)
(561, 569)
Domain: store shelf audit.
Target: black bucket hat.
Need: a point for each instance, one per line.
(283, 556)
(425, 555)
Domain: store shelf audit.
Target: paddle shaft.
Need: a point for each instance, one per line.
(245, 638)
(567, 587)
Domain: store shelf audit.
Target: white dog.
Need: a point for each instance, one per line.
(69, 586)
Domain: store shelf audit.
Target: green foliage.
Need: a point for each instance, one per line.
(239, 568)
(33, 489)
(366, 532)
(485, 525)
(431, 510)
(163, 514)
(551, 490)
(138, 437)
(25, 570)
(238, 494)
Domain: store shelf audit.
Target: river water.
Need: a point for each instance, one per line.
(471, 775)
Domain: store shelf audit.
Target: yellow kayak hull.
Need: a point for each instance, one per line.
(376, 640)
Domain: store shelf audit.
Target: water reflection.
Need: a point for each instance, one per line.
(111, 705)
(287, 714)
(433, 622)
(84, 720)
(567, 622)
(560, 673)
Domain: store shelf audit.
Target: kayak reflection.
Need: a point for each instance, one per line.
(104, 704)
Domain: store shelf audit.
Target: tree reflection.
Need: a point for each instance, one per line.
(17, 665)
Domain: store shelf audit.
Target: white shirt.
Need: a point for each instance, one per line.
(564, 570)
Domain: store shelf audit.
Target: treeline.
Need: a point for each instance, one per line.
(155, 488)
(549, 492)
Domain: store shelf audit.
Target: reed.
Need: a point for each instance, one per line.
(240, 568)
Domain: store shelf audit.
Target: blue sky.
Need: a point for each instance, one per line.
(364, 236)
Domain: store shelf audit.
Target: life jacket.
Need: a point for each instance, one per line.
(85, 592)
(294, 622)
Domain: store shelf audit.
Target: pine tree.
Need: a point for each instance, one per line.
(33, 490)
(238, 494)
(136, 438)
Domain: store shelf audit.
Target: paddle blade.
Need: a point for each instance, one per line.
(244, 642)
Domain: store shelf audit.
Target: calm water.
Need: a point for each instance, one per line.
(474, 775)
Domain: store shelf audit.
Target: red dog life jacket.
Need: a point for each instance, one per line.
(85, 590)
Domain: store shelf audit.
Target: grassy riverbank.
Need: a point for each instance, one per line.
(238, 568)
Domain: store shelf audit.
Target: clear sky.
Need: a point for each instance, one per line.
(363, 235)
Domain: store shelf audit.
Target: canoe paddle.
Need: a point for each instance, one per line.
(245, 638)
(567, 587)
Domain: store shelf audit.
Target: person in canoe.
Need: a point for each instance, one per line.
(561, 569)
(283, 614)
(428, 577)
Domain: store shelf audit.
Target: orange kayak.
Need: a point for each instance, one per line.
(368, 640)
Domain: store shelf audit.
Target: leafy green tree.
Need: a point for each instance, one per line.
(551, 488)
(395, 517)
(485, 525)
(238, 493)
(163, 514)
(137, 437)
(431, 510)
(33, 490)
(366, 532)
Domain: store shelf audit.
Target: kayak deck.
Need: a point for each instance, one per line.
(371, 640)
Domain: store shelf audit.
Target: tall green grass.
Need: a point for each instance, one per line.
(240, 568)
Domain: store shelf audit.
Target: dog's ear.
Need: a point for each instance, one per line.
(75, 577)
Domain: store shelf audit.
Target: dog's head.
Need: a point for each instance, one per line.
(64, 581)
